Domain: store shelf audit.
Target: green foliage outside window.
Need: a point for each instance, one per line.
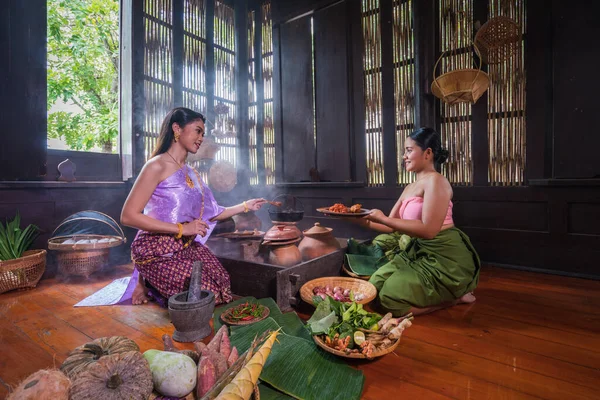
(83, 71)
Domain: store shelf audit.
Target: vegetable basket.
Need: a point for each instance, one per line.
(23, 272)
(375, 354)
(355, 285)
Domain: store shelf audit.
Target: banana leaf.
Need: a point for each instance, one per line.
(299, 368)
(268, 393)
(364, 265)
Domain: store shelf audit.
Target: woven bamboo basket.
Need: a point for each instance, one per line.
(375, 354)
(23, 272)
(354, 284)
(498, 39)
(82, 259)
(461, 85)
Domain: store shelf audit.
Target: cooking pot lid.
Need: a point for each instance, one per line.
(317, 229)
(282, 232)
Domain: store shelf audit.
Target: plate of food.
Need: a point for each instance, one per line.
(339, 209)
(245, 314)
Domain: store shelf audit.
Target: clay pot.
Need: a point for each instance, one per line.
(285, 254)
(317, 242)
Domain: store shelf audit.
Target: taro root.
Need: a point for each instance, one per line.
(43, 384)
(114, 377)
(83, 356)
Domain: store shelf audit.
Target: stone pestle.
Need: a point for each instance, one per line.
(195, 290)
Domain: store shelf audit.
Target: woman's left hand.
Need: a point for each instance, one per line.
(375, 215)
(255, 204)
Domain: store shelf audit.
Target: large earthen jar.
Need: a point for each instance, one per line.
(317, 242)
(284, 255)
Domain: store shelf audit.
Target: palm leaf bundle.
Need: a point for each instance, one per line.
(14, 241)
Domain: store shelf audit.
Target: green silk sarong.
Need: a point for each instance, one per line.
(427, 272)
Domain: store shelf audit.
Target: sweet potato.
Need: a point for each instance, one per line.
(225, 346)
(199, 346)
(170, 346)
(215, 343)
(233, 356)
(168, 343)
(206, 376)
(217, 359)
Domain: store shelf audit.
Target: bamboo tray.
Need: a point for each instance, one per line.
(375, 354)
(354, 284)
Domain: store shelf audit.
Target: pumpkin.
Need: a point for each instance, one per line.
(43, 384)
(114, 377)
(83, 356)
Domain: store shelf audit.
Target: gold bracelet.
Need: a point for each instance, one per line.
(180, 233)
(245, 207)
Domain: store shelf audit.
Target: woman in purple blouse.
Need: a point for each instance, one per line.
(175, 213)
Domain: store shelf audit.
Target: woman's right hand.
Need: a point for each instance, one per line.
(196, 227)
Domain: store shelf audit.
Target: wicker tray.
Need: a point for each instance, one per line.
(225, 317)
(354, 284)
(24, 272)
(375, 354)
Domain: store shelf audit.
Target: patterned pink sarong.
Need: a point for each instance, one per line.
(166, 264)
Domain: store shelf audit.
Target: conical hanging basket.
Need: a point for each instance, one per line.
(461, 85)
(498, 39)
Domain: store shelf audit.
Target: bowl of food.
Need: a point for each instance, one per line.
(339, 288)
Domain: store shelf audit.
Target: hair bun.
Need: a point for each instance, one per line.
(441, 156)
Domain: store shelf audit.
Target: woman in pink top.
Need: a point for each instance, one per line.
(430, 263)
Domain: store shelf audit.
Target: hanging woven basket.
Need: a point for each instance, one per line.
(461, 85)
(498, 39)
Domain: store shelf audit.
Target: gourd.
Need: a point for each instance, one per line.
(173, 374)
(83, 356)
(43, 384)
(114, 377)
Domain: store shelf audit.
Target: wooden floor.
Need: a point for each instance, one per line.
(527, 336)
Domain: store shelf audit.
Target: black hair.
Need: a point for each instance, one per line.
(427, 138)
(180, 115)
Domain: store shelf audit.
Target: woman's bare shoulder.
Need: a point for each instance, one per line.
(156, 167)
(438, 183)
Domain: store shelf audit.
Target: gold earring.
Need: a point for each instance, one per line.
(176, 136)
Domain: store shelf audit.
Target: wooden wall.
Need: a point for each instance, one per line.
(549, 225)
(22, 75)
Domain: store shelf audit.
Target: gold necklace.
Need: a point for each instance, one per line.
(188, 180)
